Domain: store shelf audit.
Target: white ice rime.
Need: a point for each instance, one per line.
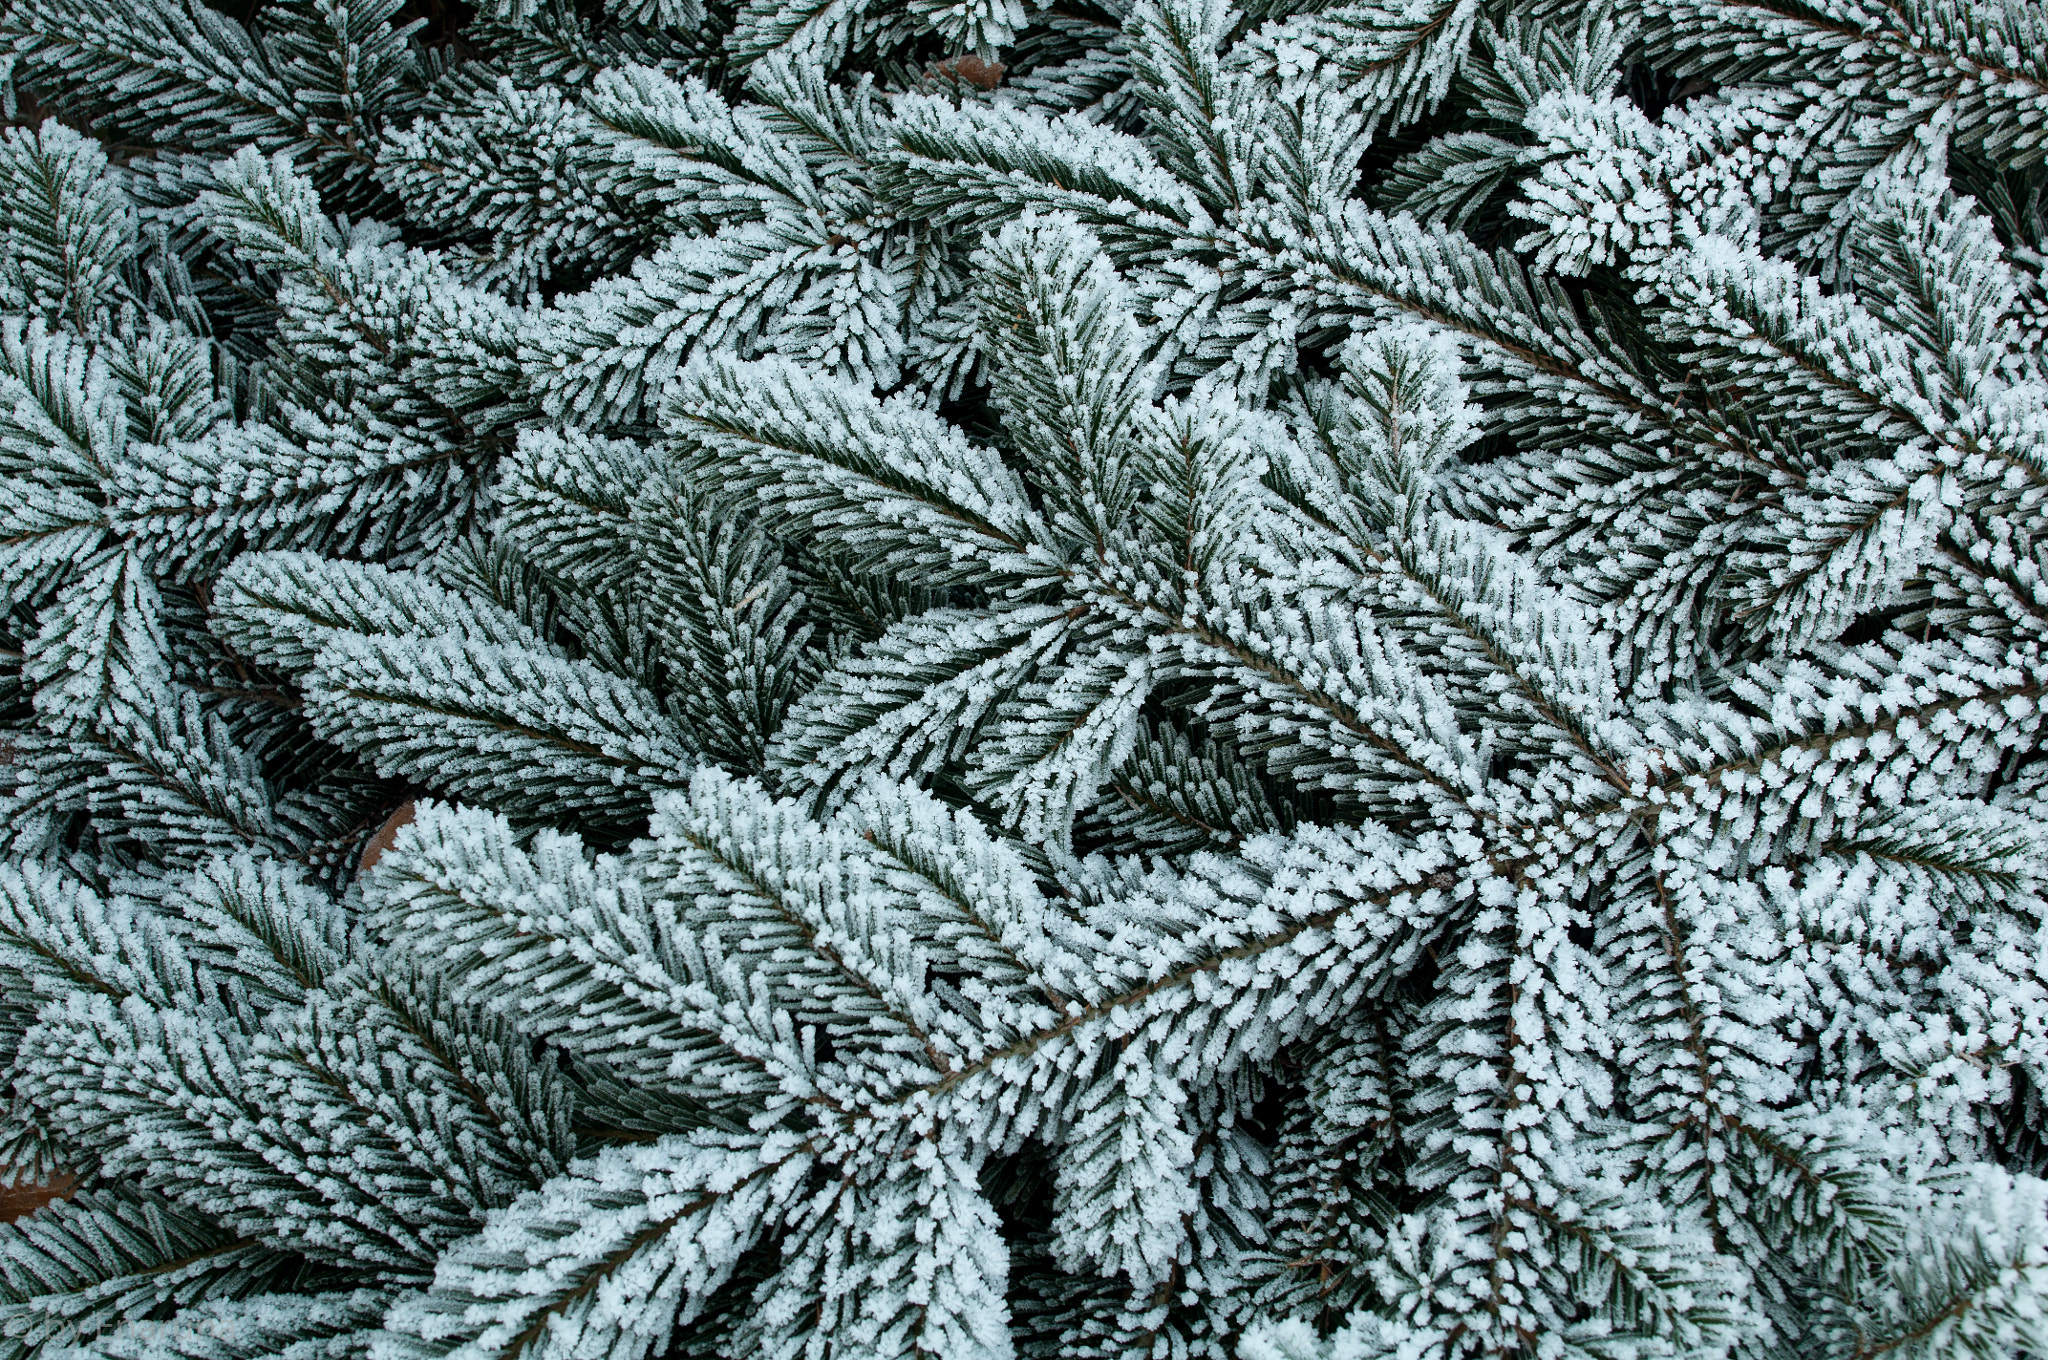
(1146, 680)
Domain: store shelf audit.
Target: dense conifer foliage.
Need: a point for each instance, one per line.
(1305, 680)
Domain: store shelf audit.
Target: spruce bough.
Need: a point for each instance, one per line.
(860, 679)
